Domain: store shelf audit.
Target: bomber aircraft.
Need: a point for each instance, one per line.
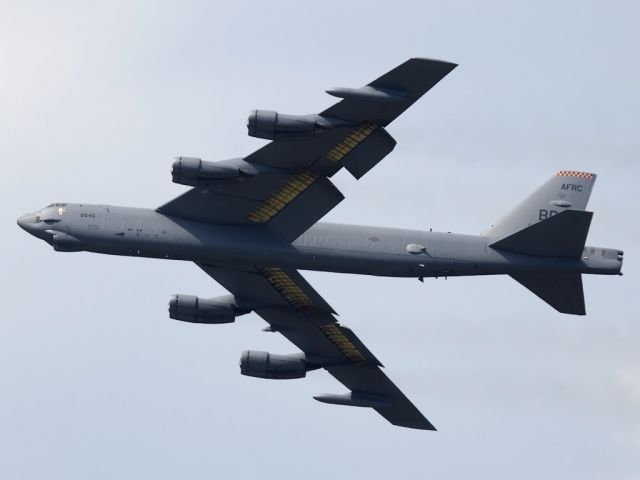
(252, 223)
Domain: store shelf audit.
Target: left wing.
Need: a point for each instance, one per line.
(292, 307)
(284, 186)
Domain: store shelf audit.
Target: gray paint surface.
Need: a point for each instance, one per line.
(325, 247)
(239, 218)
(95, 103)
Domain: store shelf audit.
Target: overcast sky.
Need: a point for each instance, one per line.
(97, 382)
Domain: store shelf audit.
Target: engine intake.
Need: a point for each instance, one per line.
(196, 172)
(188, 308)
(278, 126)
(269, 365)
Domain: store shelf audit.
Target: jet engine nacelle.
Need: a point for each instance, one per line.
(189, 308)
(269, 365)
(196, 172)
(278, 126)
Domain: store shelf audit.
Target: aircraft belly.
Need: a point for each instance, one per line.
(325, 247)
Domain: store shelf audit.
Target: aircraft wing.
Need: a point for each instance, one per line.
(293, 308)
(284, 186)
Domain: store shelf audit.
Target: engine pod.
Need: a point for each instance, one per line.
(189, 308)
(268, 365)
(279, 126)
(196, 172)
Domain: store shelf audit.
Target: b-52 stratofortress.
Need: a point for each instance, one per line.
(252, 223)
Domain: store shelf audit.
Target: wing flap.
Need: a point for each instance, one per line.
(268, 287)
(318, 335)
(310, 206)
(369, 153)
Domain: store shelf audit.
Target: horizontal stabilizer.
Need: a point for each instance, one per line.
(561, 235)
(563, 291)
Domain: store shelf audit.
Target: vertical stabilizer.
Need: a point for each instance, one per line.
(566, 190)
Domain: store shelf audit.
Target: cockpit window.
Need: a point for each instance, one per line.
(51, 214)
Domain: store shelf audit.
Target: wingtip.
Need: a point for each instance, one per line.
(430, 427)
(416, 421)
(451, 65)
(419, 426)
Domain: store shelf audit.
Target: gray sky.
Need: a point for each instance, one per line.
(96, 381)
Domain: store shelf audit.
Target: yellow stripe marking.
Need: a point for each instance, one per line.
(286, 287)
(342, 343)
(351, 141)
(294, 295)
(283, 196)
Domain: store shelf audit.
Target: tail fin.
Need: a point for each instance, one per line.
(551, 222)
(565, 190)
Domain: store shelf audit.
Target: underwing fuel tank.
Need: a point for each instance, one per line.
(192, 309)
(354, 399)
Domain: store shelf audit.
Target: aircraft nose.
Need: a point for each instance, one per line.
(25, 221)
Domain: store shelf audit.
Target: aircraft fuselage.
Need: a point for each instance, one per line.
(328, 247)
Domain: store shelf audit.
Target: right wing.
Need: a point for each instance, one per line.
(293, 308)
(284, 186)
